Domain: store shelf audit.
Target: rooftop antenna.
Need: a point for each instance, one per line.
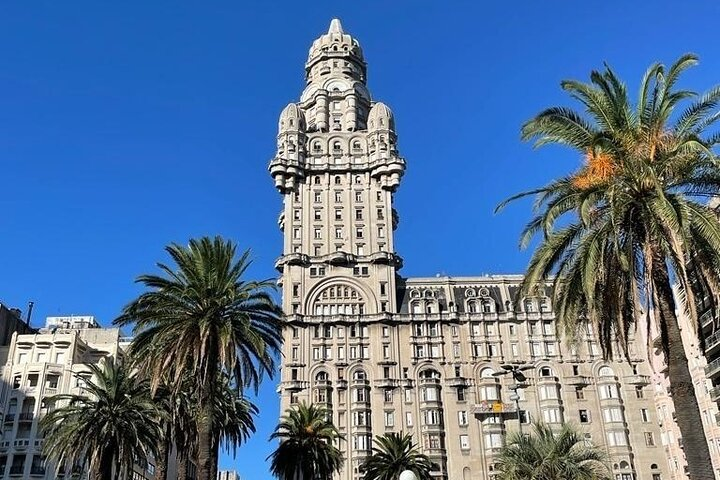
(29, 314)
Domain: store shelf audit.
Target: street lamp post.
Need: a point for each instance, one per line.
(407, 475)
(518, 378)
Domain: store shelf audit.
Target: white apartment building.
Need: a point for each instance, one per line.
(36, 367)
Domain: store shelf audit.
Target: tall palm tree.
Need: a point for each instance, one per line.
(393, 454)
(110, 424)
(201, 318)
(548, 455)
(306, 450)
(632, 222)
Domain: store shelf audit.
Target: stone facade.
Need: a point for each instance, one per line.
(420, 355)
(37, 367)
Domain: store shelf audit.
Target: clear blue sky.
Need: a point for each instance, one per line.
(128, 125)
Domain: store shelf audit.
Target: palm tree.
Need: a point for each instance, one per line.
(110, 424)
(201, 318)
(306, 450)
(631, 224)
(393, 454)
(548, 455)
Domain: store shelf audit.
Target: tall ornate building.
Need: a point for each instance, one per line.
(420, 355)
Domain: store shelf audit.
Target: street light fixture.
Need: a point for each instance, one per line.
(518, 378)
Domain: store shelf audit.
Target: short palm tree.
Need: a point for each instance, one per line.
(306, 449)
(110, 424)
(199, 317)
(632, 223)
(394, 453)
(549, 455)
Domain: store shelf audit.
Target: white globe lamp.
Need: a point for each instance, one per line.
(407, 475)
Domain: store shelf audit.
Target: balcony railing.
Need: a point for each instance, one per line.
(37, 470)
(10, 417)
(712, 341)
(712, 368)
(26, 417)
(715, 394)
(16, 470)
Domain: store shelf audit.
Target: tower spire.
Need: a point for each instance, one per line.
(335, 26)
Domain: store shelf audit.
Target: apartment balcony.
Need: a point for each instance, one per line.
(26, 417)
(715, 394)
(493, 407)
(457, 382)
(637, 379)
(293, 385)
(386, 383)
(712, 342)
(9, 417)
(578, 380)
(16, 470)
(712, 368)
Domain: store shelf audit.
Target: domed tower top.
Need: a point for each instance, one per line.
(292, 119)
(381, 118)
(335, 53)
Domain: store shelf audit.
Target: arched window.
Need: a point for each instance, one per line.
(336, 147)
(430, 373)
(317, 147)
(472, 306)
(338, 180)
(321, 376)
(356, 145)
(358, 179)
(528, 306)
(487, 306)
(339, 300)
(359, 375)
(606, 371)
(546, 372)
(316, 180)
(487, 373)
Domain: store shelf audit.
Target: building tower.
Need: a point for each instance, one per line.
(426, 356)
(337, 166)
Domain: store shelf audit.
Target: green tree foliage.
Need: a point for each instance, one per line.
(307, 445)
(394, 453)
(633, 221)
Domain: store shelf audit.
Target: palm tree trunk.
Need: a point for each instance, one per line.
(104, 467)
(682, 388)
(215, 455)
(183, 467)
(161, 462)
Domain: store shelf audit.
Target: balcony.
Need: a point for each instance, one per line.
(712, 368)
(293, 385)
(10, 417)
(386, 383)
(16, 470)
(37, 471)
(637, 379)
(578, 380)
(712, 342)
(26, 417)
(493, 407)
(715, 394)
(457, 382)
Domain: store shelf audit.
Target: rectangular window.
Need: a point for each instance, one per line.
(365, 352)
(359, 232)
(378, 196)
(456, 350)
(380, 214)
(316, 353)
(612, 414)
(358, 196)
(296, 214)
(296, 233)
(389, 419)
(644, 415)
(649, 439)
(358, 214)
(462, 418)
(381, 232)
(338, 196)
(317, 197)
(318, 233)
(460, 394)
(388, 395)
(383, 288)
(616, 439)
(385, 332)
(514, 349)
(408, 419)
(317, 214)
(294, 353)
(341, 353)
(338, 233)
(584, 416)
(513, 330)
(493, 440)
(552, 415)
(579, 393)
(386, 351)
(464, 442)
